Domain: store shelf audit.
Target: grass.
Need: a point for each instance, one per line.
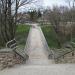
(22, 34)
(50, 36)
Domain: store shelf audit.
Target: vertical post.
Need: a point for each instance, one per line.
(71, 31)
(73, 53)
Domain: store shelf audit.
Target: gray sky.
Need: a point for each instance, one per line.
(54, 2)
(45, 3)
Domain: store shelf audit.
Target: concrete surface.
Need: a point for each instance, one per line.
(38, 63)
(66, 69)
(37, 47)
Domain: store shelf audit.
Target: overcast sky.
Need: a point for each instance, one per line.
(54, 2)
(45, 3)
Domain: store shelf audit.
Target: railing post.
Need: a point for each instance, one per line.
(63, 56)
(73, 53)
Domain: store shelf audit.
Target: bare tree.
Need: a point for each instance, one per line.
(71, 15)
(8, 18)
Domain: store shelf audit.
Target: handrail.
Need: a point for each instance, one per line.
(66, 52)
(73, 42)
(13, 45)
(9, 42)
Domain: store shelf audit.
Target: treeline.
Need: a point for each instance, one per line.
(34, 15)
(7, 21)
(8, 18)
(30, 16)
(62, 19)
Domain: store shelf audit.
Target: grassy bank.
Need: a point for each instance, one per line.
(50, 36)
(22, 34)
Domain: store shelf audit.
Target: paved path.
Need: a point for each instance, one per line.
(37, 47)
(41, 70)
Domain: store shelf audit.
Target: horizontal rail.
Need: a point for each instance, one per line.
(9, 42)
(13, 45)
(64, 54)
(73, 43)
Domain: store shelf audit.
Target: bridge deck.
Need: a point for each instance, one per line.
(37, 47)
